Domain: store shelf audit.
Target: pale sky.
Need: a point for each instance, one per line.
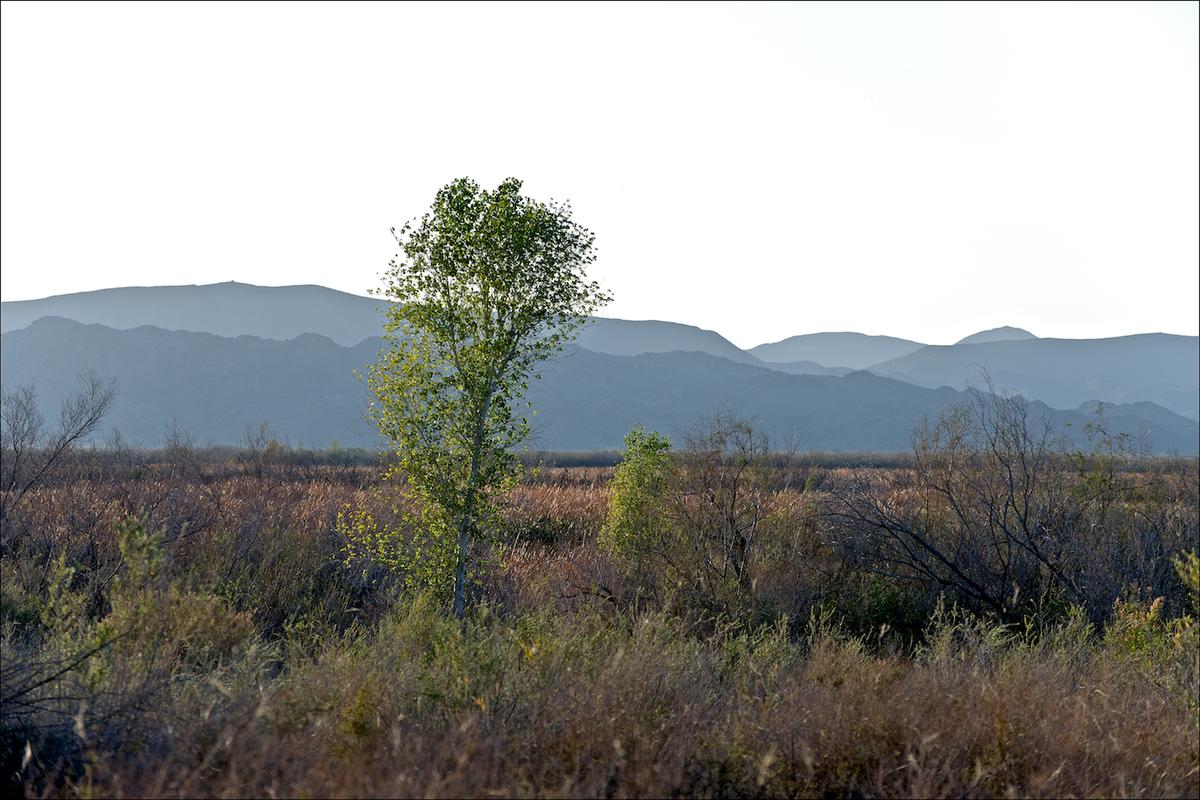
(923, 171)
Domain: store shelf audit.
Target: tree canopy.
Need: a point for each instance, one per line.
(487, 284)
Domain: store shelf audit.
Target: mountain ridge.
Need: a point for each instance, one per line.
(284, 312)
(217, 387)
(1160, 367)
(1043, 369)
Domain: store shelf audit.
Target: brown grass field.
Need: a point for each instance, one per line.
(224, 645)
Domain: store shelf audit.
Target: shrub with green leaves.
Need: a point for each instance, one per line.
(1165, 650)
(638, 523)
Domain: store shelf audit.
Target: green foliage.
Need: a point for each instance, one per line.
(1164, 650)
(487, 285)
(421, 552)
(156, 624)
(699, 528)
(1069, 642)
(1187, 567)
(833, 654)
(64, 611)
(870, 606)
(637, 519)
(1138, 631)
(956, 636)
(142, 551)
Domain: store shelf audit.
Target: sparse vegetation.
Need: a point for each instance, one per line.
(186, 623)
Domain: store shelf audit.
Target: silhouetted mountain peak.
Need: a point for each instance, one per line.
(624, 337)
(836, 349)
(51, 322)
(1005, 333)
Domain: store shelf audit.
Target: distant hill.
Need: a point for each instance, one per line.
(1063, 373)
(1158, 367)
(212, 386)
(853, 350)
(806, 368)
(224, 309)
(216, 387)
(1004, 334)
(285, 312)
(623, 337)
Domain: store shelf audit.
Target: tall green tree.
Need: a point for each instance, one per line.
(487, 284)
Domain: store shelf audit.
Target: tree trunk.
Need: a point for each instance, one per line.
(464, 522)
(460, 572)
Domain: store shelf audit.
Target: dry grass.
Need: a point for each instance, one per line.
(248, 660)
(580, 708)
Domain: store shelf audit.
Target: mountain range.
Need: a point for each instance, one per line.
(1064, 373)
(224, 309)
(220, 358)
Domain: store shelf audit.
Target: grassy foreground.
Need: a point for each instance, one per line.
(189, 629)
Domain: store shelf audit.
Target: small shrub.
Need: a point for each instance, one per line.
(638, 525)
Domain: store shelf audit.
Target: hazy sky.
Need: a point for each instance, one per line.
(762, 170)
